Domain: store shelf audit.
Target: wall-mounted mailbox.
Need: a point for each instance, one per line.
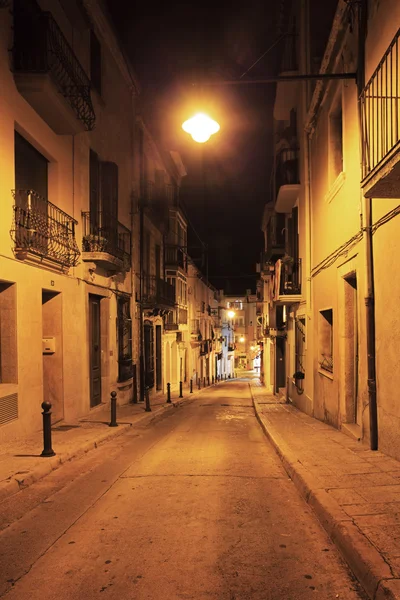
(49, 345)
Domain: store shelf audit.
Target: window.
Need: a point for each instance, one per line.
(124, 325)
(149, 354)
(31, 167)
(335, 140)
(95, 62)
(326, 340)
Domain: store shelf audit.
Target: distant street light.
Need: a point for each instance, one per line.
(200, 127)
(231, 314)
(241, 339)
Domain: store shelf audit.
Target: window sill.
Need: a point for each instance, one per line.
(326, 374)
(335, 187)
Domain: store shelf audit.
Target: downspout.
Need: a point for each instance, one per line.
(132, 246)
(141, 261)
(366, 217)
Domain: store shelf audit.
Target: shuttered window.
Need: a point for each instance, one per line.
(31, 167)
(95, 62)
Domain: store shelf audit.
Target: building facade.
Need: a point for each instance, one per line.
(66, 291)
(331, 218)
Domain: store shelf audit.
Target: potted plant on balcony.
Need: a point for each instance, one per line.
(94, 243)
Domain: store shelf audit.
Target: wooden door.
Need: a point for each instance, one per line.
(94, 350)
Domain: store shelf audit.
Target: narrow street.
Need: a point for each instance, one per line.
(195, 505)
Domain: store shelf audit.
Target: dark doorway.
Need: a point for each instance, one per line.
(148, 355)
(94, 350)
(280, 377)
(158, 358)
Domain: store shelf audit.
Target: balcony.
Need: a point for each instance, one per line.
(289, 281)
(175, 257)
(287, 181)
(275, 237)
(47, 73)
(231, 347)
(106, 242)
(380, 121)
(41, 229)
(157, 293)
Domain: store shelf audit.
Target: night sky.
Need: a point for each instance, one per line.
(173, 47)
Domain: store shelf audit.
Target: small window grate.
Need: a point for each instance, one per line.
(8, 408)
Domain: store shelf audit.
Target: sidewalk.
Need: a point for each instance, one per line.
(354, 491)
(20, 460)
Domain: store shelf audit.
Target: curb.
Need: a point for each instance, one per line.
(13, 485)
(364, 560)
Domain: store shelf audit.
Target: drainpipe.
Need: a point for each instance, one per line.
(141, 261)
(366, 222)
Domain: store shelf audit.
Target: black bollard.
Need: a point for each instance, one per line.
(180, 390)
(213, 379)
(208, 380)
(225, 376)
(198, 383)
(113, 405)
(168, 393)
(147, 399)
(204, 382)
(191, 386)
(47, 449)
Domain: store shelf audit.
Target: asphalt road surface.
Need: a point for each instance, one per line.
(193, 506)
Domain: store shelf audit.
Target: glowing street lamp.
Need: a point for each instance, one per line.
(241, 339)
(200, 127)
(231, 314)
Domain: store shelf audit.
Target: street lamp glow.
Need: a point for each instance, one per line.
(200, 127)
(241, 339)
(231, 314)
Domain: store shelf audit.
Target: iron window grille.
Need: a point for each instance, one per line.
(124, 331)
(40, 47)
(42, 229)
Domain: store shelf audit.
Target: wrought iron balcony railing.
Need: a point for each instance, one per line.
(42, 229)
(103, 233)
(157, 292)
(380, 111)
(40, 47)
(175, 256)
(290, 278)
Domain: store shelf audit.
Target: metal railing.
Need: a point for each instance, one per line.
(380, 111)
(290, 278)
(41, 228)
(40, 47)
(205, 347)
(176, 256)
(156, 291)
(103, 233)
